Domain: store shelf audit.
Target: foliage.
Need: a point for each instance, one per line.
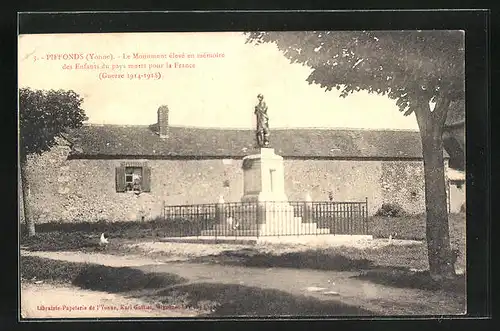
(403, 65)
(44, 116)
(390, 210)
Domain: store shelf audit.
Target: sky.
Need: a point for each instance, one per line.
(217, 92)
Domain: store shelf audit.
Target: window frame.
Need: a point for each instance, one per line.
(121, 183)
(131, 183)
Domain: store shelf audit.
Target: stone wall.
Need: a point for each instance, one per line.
(86, 190)
(400, 182)
(404, 185)
(74, 190)
(347, 180)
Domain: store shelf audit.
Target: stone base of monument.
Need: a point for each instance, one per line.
(263, 177)
(265, 210)
(279, 219)
(309, 240)
(264, 189)
(273, 219)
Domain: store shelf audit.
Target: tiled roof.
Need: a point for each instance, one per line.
(144, 141)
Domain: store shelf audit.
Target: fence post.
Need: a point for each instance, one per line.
(219, 210)
(308, 208)
(334, 214)
(257, 217)
(219, 214)
(261, 214)
(163, 211)
(197, 221)
(365, 216)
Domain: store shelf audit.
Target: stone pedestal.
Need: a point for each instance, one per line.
(264, 183)
(265, 210)
(263, 177)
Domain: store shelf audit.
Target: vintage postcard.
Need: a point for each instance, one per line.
(233, 174)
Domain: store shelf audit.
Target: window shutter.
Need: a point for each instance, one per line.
(146, 179)
(120, 179)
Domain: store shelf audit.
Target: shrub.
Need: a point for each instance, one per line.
(390, 210)
(462, 208)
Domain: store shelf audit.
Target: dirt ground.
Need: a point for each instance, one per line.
(318, 284)
(74, 302)
(176, 249)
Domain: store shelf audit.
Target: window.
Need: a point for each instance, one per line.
(133, 177)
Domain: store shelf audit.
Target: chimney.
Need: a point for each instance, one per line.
(163, 121)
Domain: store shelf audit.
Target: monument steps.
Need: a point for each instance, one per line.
(230, 233)
(274, 227)
(295, 228)
(262, 232)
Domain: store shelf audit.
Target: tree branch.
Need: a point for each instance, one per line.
(68, 139)
(420, 104)
(441, 109)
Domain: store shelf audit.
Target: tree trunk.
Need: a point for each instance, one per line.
(28, 219)
(437, 230)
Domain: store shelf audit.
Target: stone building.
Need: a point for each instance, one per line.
(456, 190)
(454, 135)
(91, 174)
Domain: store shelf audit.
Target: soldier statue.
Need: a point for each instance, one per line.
(262, 131)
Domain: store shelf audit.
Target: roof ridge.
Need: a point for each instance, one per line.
(116, 139)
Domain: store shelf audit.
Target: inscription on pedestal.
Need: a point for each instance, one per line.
(263, 176)
(252, 178)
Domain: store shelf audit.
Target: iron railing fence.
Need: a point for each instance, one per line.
(249, 219)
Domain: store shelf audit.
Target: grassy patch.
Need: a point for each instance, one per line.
(413, 227)
(84, 236)
(78, 242)
(94, 276)
(334, 258)
(104, 278)
(421, 280)
(408, 256)
(239, 300)
(60, 241)
(49, 270)
(124, 230)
